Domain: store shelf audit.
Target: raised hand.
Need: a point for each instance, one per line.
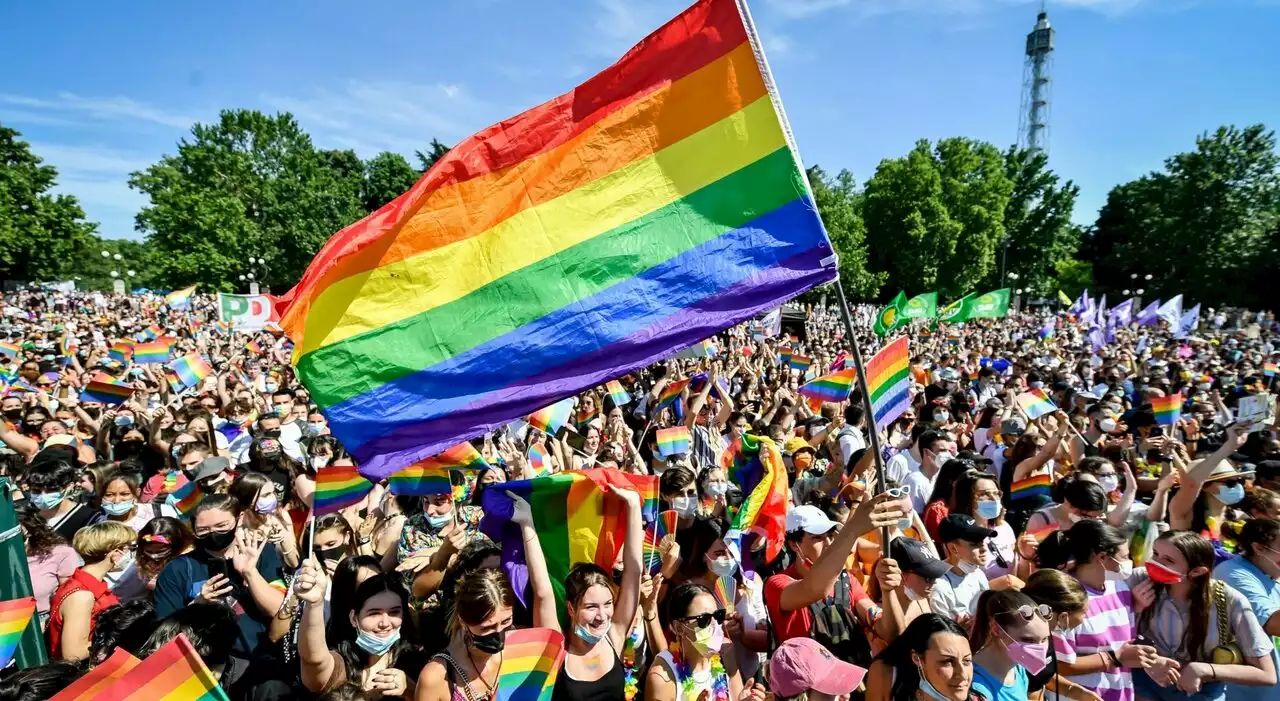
(521, 513)
(217, 587)
(248, 549)
(311, 583)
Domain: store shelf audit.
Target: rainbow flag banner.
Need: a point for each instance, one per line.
(669, 395)
(889, 382)
(674, 441)
(431, 476)
(755, 464)
(576, 520)
(663, 526)
(10, 350)
(705, 348)
(121, 351)
(1167, 409)
(186, 498)
(14, 617)
(1033, 487)
(617, 393)
(669, 179)
(830, 388)
(175, 672)
(179, 300)
(800, 362)
(531, 661)
(551, 419)
(1035, 403)
(98, 679)
(106, 390)
(151, 353)
(191, 369)
(337, 487)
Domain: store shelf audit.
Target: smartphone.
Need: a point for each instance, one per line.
(217, 566)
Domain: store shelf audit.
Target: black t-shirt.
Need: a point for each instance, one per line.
(75, 519)
(180, 581)
(1037, 682)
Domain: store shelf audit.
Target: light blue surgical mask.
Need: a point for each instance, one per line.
(587, 636)
(47, 501)
(1231, 495)
(928, 689)
(989, 509)
(375, 645)
(119, 508)
(439, 521)
(717, 489)
(723, 566)
(124, 420)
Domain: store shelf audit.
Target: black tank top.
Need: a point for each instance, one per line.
(610, 687)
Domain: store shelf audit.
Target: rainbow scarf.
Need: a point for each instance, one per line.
(651, 207)
(337, 487)
(889, 382)
(830, 388)
(1167, 409)
(14, 617)
(531, 661)
(754, 463)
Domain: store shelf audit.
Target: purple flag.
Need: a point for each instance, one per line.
(1081, 304)
(1096, 338)
(1147, 317)
(1122, 314)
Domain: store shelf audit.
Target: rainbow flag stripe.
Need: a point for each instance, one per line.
(1033, 487)
(551, 419)
(14, 617)
(674, 441)
(100, 678)
(726, 592)
(800, 362)
(831, 388)
(889, 382)
(617, 393)
(10, 350)
(175, 672)
(576, 520)
(431, 476)
(669, 395)
(121, 351)
(107, 390)
(186, 498)
(337, 487)
(1043, 531)
(754, 463)
(539, 461)
(697, 217)
(531, 661)
(1167, 409)
(254, 347)
(1270, 369)
(1035, 403)
(180, 299)
(151, 353)
(784, 356)
(191, 369)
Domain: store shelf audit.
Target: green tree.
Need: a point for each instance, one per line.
(838, 200)
(248, 185)
(386, 177)
(935, 217)
(1206, 226)
(434, 153)
(1037, 221)
(42, 234)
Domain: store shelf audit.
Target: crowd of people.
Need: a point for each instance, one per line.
(1097, 552)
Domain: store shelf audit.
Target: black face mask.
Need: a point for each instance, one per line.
(14, 415)
(271, 433)
(129, 449)
(334, 553)
(214, 542)
(490, 644)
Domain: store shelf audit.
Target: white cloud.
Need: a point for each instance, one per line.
(117, 108)
(620, 24)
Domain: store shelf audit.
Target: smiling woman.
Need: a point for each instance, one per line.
(931, 659)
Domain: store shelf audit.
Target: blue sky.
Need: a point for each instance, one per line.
(101, 89)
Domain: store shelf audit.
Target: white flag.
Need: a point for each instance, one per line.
(1171, 311)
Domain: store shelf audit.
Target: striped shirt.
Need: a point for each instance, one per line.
(1108, 625)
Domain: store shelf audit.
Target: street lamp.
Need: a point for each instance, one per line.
(1148, 277)
(130, 273)
(250, 276)
(116, 256)
(1126, 292)
(106, 254)
(115, 274)
(242, 278)
(1137, 299)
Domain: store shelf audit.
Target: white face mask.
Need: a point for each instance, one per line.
(967, 567)
(1109, 483)
(941, 457)
(1107, 425)
(685, 506)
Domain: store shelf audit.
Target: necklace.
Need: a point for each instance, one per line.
(489, 689)
(688, 685)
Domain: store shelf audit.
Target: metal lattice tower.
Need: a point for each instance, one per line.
(1033, 125)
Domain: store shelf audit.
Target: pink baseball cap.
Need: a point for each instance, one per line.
(803, 664)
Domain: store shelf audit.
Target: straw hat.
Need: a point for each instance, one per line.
(1225, 471)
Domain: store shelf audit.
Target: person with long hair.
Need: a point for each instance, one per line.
(1186, 623)
(264, 513)
(708, 561)
(50, 560)
(977, 495)
(1209, 489)
(693, 666)
(160, 541)
(930, 661)
(483, 613)
(1068, 602)
(1011, 640)
(940, 501)
(1256, 575)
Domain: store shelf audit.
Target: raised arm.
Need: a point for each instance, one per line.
(313, 650)
(544, 598)
(624, 611)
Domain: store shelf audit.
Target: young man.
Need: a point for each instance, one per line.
(955, 593)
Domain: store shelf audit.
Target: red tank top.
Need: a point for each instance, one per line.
(79, 580)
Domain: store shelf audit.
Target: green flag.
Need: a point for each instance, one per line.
(1062, 297)
(891, 317)
(958, 311)
(923, 306)
(991, 305)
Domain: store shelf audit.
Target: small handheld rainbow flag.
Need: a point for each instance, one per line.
(839, 363)
(670, 394)
(617, 393)
(179, 299)
(145, 336)
(538, 461)
(98, 679)
(121, 351)
(175, 672)
(1270, 369)
(531, 661)
(431, 476)
(673, 441)
(186, 498)
(152, 353)
(14, 617)
(830, 388)
(10, 350)
(191, 369)
(1035, 403)
(254, 347)
(107, 390)
(784, 356)
(663, 526)
(889, 382)
(1031, 487)
(551, 419)
(800, 362)
(1167, 409)
(340, 486)
(1042, 532)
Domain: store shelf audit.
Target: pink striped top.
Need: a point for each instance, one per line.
(1108, 625)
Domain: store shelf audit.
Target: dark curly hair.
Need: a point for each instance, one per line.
(40, 539)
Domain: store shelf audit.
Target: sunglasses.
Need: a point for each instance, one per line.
(704, 620)
(1030, 612)
(899, 492)
(1229, 484)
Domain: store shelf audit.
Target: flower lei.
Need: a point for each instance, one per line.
(631, 683)
(719, 678)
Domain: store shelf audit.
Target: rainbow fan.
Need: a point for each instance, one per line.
(663, 526)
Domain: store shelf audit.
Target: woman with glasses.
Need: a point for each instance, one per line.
(977, 494)
(1011, 636)
(1069, 603)
(692, 667)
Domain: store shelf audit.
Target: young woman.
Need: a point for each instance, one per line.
(160, 541)
(378, 654)
(602, 621)
(119, 496)
(1209, 489)
(1184, 624)
(49, 559)
(102, 546)
(713, 486)
(335, 541)
(483, 612)
(1011, 636)
(709, 560)
(263, 513)
(940, 501)
(1067, 600)
(1030, 462)
(930, 661)
(1256, 575)
(977, 494)
(1081, 499)
(692, 667)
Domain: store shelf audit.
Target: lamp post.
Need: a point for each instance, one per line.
(1004, 257)
(260, 264)
(1137, 298)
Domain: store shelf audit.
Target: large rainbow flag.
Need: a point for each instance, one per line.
(889, 382)
(669, 180)
(175, 672)
(180, 299)
(755, 464)
(576, 520)
(830, 388)
(14, 617)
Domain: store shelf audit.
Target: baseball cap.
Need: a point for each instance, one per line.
(914, 558)
(1012, 427)
(211, 467)
(803, 664)
(963, 527)
(948, 374)
(793, 444)
(810, 519)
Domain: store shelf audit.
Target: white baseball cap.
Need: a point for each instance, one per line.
(810, 519)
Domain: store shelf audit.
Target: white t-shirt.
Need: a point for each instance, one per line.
(954, 594)
(921, 488)
(899, 466)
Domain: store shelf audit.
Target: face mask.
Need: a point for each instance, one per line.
(69, 423)
(942, 457)
(910, 593)
(989, 509)
(803, 461)
(439, 521)
(14, 415)
(124, 420)
(723, 566)
(271, 433)
(335, 553)
(1204, 386)
(1161, 574)
(319, 462)
(708, 640)
(1032, 656)
(490, 644)
(587, 636)
(1107, 425)
(927, 687)
(1109, 483)
(1231, 495)
(718, 489)
(316, 428)
(215, 542)
(49, 500)
(685, 506)
(1124, 568)
(124, 562)
(374, 645)
(267, 504)
(119, 508)
(271, 387)
(941, 417)
(967, 567)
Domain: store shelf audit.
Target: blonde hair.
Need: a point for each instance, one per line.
(95, 542)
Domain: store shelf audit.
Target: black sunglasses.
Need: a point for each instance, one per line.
(1230, 483)
(703, 620)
